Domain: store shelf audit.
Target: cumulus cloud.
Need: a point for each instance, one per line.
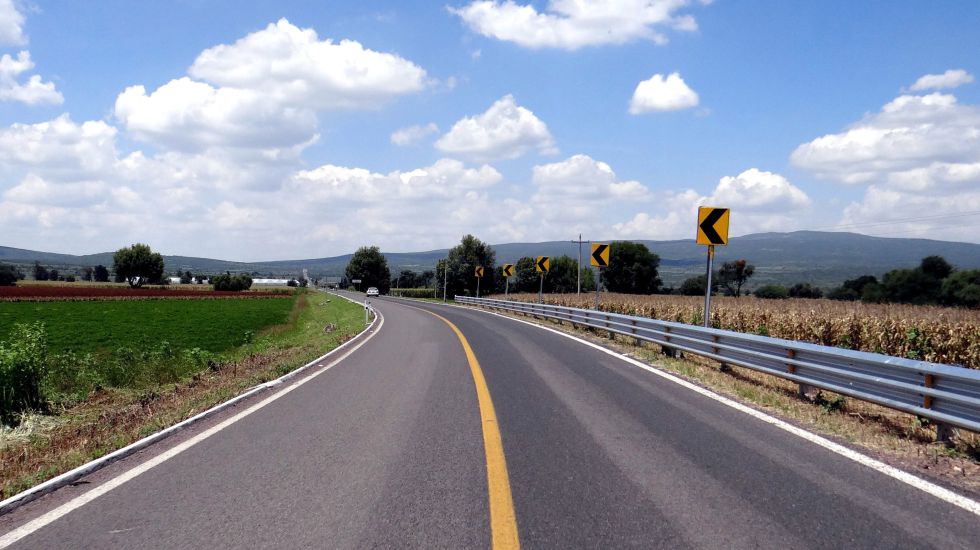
(59, 149)
(11, 24)
(764, 201)
(292, 66)
(260, 95)
(920, 153)
(445, 178)
(952, 78)
(573, 24)
(662, 94)
(413, 134)
(188, 115)
(505, 131)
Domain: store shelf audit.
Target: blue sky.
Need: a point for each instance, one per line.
(275, 130)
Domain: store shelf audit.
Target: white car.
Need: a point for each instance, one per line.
(373, 291)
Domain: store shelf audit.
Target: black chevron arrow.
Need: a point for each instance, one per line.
(597, 254)
(708, 226)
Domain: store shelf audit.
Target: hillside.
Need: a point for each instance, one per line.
(821, 258)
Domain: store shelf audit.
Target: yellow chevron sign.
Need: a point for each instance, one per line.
(508, 270)
(600, 255)
(479, 271)
(543, 265)
(712, 225)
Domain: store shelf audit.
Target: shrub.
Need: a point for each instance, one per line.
(412, 292)
(772, 292)
(232, 282)
(8, 275)
(22, 366)
(805, 290)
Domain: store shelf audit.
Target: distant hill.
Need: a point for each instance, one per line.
(820, 258)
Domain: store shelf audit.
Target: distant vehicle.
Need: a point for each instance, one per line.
(373, 291)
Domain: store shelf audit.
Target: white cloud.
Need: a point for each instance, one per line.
(11, 24)
(59, 149)
(919, 156)
(662, 94)
(578, 194)
(505, 131)
(573, 24)
(952, 78)
(759, 200)
(445, 178)
(412, 135)
(910, 132)
(187, 115)
(32, 92)
(291, 66)
(257, 100)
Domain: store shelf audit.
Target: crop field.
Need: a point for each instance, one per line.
(929, 333)
(105, 325)
(38, 293)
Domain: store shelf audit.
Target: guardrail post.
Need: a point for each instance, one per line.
(944, 432)
(722, 366)
(804, 391)
(667, 350)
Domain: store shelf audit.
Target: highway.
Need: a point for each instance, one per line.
(393, 447)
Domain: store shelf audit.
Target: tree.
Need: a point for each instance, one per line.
(962, 288)
(772, 292)
(911, 286)
(526, 279)
(87, 273)
(406, 279)
(852, 289)
(805, 290)
(234, 283)
(137, 265)
(371, 267)
(463, 260)
(427, 278)
(694, 286)
(100, 274)
(53, 275)
(8, 275)
(186, 277)
(632, 269)
(733, 275)
(936, 266)
(199, 279)
(40, 272)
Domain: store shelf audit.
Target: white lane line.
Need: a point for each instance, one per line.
(941, 493)
(81, 500)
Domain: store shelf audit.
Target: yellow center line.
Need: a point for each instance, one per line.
(503, 520)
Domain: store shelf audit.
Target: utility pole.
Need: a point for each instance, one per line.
(578, 275)
(445, 278)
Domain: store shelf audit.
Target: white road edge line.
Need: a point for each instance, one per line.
(81, 500)
(941, 493)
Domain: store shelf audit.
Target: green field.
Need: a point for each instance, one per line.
(103, 326)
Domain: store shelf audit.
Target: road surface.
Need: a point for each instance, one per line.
(390, 448)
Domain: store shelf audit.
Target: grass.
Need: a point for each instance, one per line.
(99, 326)
(108, 418)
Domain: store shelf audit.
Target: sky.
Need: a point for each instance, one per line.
(251, 130)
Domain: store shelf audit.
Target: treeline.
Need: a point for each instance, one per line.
(933, 282)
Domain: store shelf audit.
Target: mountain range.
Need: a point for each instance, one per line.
(822, 258)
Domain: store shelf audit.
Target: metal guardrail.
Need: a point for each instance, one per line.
(942, 393)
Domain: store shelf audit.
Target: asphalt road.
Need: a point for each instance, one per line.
(386, 449)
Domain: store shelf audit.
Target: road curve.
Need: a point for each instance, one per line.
(386, 449)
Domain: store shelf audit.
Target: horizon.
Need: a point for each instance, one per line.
(283, 132)
(516, 243)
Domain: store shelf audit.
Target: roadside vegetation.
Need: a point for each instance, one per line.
(69, 399)
(928, 333)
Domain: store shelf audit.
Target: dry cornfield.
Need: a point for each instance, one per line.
(929, 333)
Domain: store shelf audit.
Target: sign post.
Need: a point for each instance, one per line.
(599, 259)
(508, 270)
(357, 284)
(712, 230)
(478, 272)
(542, 266)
